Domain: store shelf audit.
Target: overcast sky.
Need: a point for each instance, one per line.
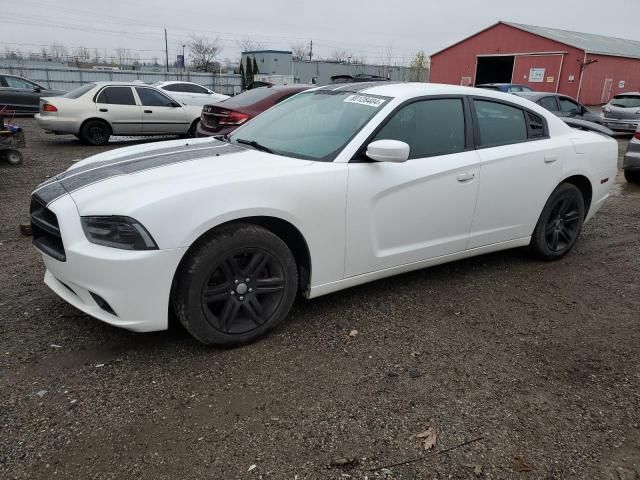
(366, 27)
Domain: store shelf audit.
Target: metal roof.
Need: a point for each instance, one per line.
(589, 42)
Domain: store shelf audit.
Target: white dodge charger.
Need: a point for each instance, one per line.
(334, 187)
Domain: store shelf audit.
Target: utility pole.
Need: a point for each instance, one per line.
(166, 49)
(311, 50)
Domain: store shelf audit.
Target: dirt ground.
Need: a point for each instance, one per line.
(541, 360)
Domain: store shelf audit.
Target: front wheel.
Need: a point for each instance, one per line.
(559, 224)
(236, 285)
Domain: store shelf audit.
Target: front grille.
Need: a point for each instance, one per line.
(45, 230)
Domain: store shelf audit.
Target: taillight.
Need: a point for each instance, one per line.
(47, 107)
(233, 118)
(637, 135)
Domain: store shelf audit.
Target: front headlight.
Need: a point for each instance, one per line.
(118, 232)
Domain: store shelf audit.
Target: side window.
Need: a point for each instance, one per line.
(116, 96)
(569, 106)
(3, 82)
(195, 89)
(515, 88)
(500, 124)
(536, 126)
(151, 98)
(430, 127)
(526, 89)
(14, 82)
(548, 103)
(176, 87)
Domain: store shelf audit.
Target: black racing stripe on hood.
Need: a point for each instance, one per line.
(135, 156)
(70, 183)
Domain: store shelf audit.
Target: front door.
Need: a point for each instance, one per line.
(118, 106)
(400, 213)
(520, 167)
(161, 114)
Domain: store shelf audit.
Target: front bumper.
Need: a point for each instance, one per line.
(625, 125)
(57, 125)
(136, 285)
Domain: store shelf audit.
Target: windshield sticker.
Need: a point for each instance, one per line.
(364, 100)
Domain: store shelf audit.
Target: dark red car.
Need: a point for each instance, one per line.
(224, 117)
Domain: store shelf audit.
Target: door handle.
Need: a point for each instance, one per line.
(148, 111)
(550, 158)
(466, 177)
(104, 109)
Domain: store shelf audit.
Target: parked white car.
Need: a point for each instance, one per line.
(98, 110)
(191, 93)
(332, 188)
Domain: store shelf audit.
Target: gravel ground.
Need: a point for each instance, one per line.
(542, 360)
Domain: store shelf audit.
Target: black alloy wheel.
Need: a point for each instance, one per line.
(244, 290)
(234, 285)
(559, 224)
(95, 132)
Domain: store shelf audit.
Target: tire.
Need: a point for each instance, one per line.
(631, 176)
(192, 130)
(237, 284)
(560, 223)
(95, 132)
(13, 157)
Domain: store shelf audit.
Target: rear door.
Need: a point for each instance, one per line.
(117, 105)
(161, 114)
(520, 167)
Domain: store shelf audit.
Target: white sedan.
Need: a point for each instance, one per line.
(191, 93)
(95, 111)
(334, 187)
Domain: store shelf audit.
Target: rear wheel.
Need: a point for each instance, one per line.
(235, 286)
(95, 132)
(193, 129)
(631, 176)
(559, 224)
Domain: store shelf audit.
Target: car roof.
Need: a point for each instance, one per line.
(134, 83)
(500, 84)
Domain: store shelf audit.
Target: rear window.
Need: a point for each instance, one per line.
(250, 97)
(626, 101)
(78, 92)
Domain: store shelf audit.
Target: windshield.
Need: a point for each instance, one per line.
(315, 125)
(78, 92)
(626, 101)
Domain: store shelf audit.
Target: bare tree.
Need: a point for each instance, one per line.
(299, 50)
(203, 53)
(58, 51)
(247, 44)
(82, 54)
(341, 55)
(96, 56)
(388, 55)
(419, 67)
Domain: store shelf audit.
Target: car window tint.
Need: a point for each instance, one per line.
(515, 88)
(194, 88)
(78, 92)
(500, 124)
(549, 103)
(536, 126)
(175, 87)
(526, 89)
(430, 127)
(13, 82)
(117, 96)
(626, 101)
(569, 106)
(151, 98)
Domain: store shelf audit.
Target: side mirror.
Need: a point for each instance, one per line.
(388, 151)
(37, 89)
(175, 105)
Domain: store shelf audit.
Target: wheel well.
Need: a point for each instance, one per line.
(289, 235)
(584, 185)
(96, 119)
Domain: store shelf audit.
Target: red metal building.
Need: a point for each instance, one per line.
(591, 68)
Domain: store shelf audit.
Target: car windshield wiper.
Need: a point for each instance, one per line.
(254, 144)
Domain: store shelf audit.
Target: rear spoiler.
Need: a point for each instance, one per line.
(588, 126)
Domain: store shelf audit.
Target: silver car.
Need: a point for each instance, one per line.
(631, 163)
(98, 110)
(622, 113)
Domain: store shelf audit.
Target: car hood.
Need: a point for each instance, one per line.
(125, 179)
